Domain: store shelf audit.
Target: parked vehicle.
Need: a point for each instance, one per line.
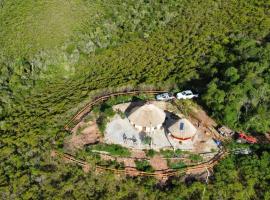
(243, 138)
(164, 97)
(243, 151)
(225, 131)
(187, 94)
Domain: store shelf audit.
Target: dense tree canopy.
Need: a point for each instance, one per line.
(238, 93)
(55, 54)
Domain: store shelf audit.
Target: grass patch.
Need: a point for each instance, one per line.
(170, 153)
(176, 165)
(143, 165)
(151, 153)
(111, 164)
(113, 149)
(41, 24)
(104, 112)
(146, 140)
(195, 157)
(128, 98)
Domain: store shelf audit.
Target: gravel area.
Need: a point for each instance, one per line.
(120, 131)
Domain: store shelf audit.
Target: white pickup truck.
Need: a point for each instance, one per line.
(187, 94)
(164, 97)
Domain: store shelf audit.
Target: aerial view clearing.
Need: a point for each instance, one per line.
(137, 99)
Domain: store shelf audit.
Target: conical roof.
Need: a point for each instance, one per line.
(182, 129)
(147, 115)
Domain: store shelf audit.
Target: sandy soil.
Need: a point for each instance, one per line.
(202, 117)
(106, 157)
(128, 162)
(158, 163)
(138, 154)
(132, 172)
(89, 135)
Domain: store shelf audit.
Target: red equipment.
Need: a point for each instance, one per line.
(247, 138)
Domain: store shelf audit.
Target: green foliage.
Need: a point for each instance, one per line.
(113, 149)
(167, 153)
(54, 53)
(176, 165)
(151, 153)
(147, 140)
(195, 157)
(143, 165)
(111, 163)
(237, 95)
(104, 112)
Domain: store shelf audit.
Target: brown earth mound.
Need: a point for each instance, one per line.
(158, 163)
(89, 135)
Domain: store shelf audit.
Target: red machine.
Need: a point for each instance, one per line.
(246, 138)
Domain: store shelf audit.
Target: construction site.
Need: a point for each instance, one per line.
(143, 137)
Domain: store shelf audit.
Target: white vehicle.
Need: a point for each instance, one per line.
(164, 97)
(244, 151)
(187, 94)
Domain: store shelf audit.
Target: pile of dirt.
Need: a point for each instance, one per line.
(136, 153)
(158, 163)
(128, 162)
(89, 135)
(202, 117)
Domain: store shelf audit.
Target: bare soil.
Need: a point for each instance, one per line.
(138, 154)
(132, 172)
(89, 135)
(128, 162)
(158, 163)
(106, 157)
(202, 117)
(86, 168)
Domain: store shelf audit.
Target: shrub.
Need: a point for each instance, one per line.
(167, 153)
(150, 153)
(113, 149)
(146, 140)
(176, 165)
(111, 163)
(144, 165)
(195, 157)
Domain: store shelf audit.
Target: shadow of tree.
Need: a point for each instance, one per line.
(135, 102)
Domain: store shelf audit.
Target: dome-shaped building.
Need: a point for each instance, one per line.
(147, 117)
(182, 129)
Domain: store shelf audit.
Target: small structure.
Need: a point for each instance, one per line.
(182, 129)
(147, 118)
(225, 131)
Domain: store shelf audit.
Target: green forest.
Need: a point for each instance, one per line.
(56, 54)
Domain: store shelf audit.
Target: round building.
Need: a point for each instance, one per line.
(182, 129)
(147, 117)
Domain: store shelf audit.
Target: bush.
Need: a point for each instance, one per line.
(177, 165)
(195, 157)
(171, 153)
(111, 163)
(143, 165)
(122, 115)
(167, 153)
(113, 149)
(107, 110)
(150, 153)
(102, 123)
(146, 140)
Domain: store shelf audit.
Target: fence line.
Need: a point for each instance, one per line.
(87, 108)
(161, 173)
